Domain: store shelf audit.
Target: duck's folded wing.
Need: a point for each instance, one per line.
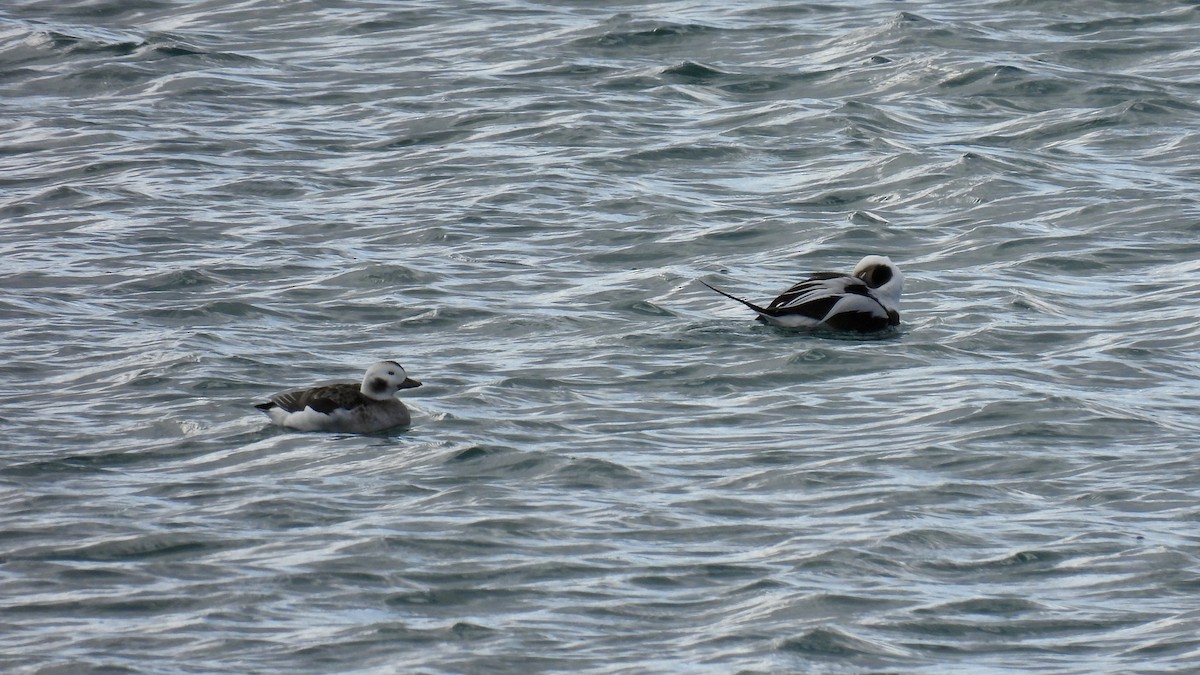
(321, 399)
(860, 313)
(816, 296)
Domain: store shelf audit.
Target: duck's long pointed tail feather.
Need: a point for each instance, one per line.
(762, 311)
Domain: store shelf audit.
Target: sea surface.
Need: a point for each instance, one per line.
(611, 469)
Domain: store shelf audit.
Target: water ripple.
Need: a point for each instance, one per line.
(611, 469)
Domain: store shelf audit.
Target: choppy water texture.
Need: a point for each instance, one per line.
(611, 468)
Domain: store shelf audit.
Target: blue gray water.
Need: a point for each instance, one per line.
(611, 469)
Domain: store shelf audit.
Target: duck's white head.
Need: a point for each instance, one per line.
(881, 274)
(384, 379)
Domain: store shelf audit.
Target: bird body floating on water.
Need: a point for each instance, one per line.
(865, 301)
(346, 407)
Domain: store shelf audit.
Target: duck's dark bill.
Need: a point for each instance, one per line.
(409, 383)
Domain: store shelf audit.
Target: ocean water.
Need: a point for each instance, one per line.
(611, 469)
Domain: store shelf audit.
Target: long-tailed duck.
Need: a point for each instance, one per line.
(865, 301)
(346, 407)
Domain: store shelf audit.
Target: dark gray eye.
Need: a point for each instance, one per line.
(391, 372)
